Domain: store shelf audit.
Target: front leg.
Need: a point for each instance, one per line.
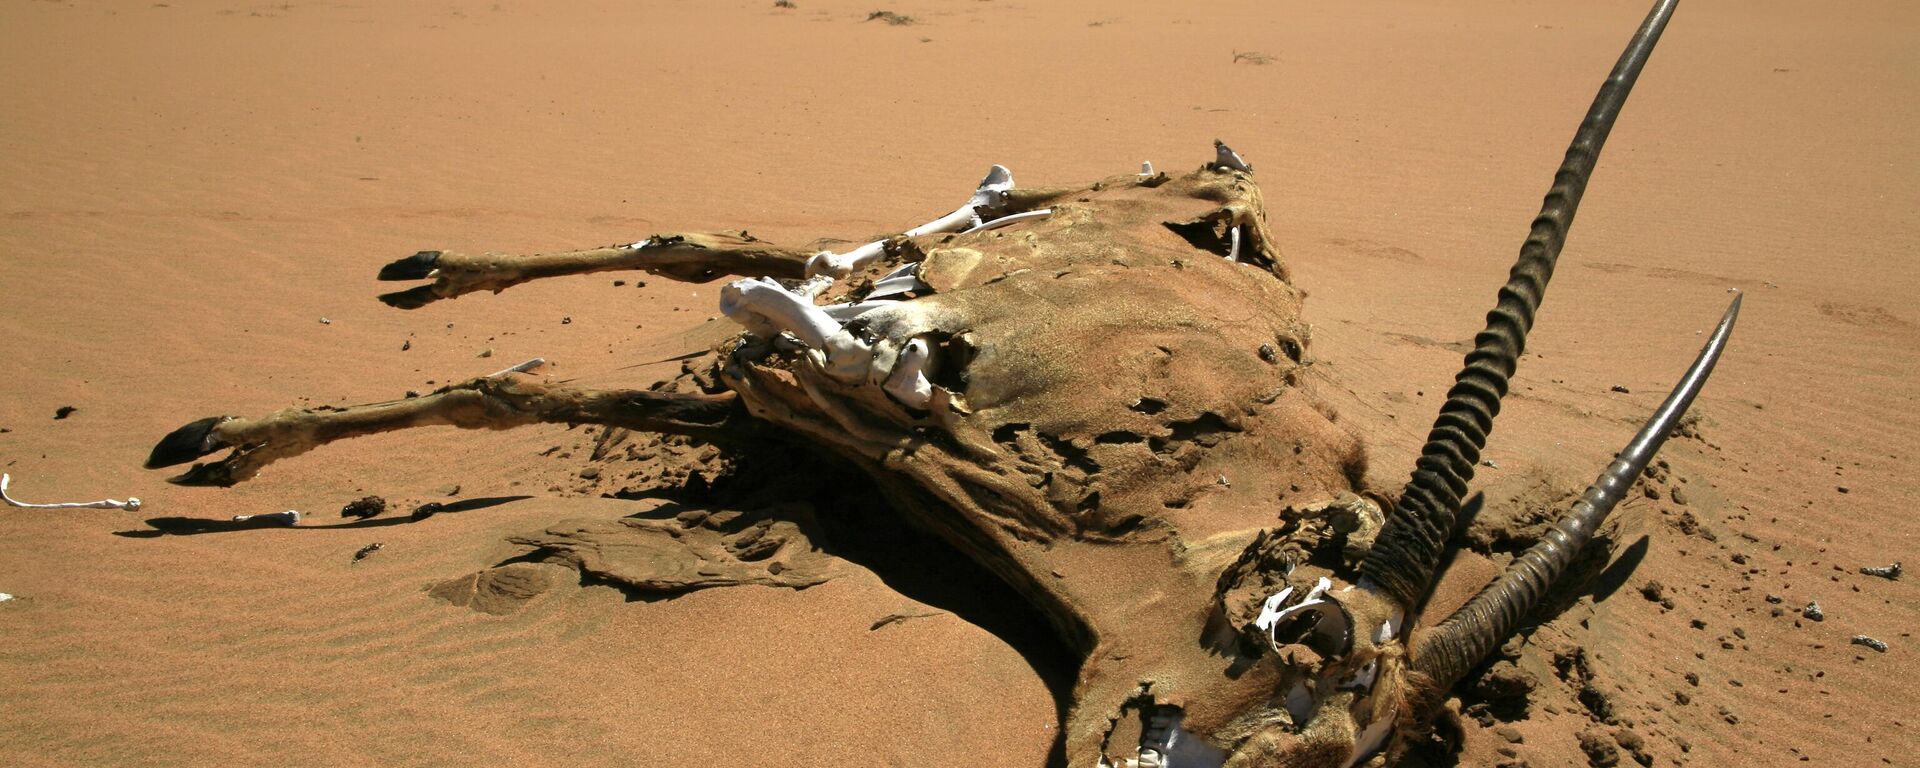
(495, 402)
(691, 257)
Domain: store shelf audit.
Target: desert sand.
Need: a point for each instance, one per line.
(195, 195)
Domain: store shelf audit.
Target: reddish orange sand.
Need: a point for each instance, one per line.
(188, 187)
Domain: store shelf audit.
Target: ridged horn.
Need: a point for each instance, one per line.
(1466, 637)
(1409, 547)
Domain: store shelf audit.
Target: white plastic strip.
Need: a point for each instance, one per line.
(130, 504)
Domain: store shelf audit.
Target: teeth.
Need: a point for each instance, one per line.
(1233, 252)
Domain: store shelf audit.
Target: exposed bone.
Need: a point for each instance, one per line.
(1146, 168)
(130, 504)
(1316, 600)
(908, 382)
(289, 517)
(5, 597)
(1009, 219)
(812, 287)
(690, 256)
(1166, 743)
(1225, 157)
(520, 368)
(1233, 251)
(1870, 642)
(987, 198)
(904, 280)
(768, 309)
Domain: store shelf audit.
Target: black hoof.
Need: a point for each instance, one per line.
(412, 298)
(415, 267)
(217, 475)
(185, 444)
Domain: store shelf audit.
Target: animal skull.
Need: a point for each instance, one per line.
(1095, 392)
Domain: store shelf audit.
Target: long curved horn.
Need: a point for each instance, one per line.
(1408, 548)
(1466, 637)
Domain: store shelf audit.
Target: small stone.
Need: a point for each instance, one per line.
(1843, 489)
(1870, 643)
(63, 412)
(488, 352)
(568, 320)
(1510, 733)
(590, 473)
(1505, 682)
(450, 489)
(363, 508)
(618, 283)
(367, 550)
(1812, 611)
(406, 344)
(1621, 390)
(1601, 753)
(1268, 353)
(324, 321)
(1776, 599)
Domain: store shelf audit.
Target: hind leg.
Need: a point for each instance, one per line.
(495, 402)
(691, 257)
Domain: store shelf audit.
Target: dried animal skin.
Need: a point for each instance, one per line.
(693, 550)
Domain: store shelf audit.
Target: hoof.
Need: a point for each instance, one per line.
(415, 267)
(412, 298)
(216, 475)
(185, 444)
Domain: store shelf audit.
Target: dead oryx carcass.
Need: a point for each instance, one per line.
(1095, 393)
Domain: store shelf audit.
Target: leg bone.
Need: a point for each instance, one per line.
(486, 403)
(691, 257)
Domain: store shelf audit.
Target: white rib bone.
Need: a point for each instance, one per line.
(130, 504)
(1225, 157)
(1009, 219)
(1233, 252)
(906, 279)
(987, 197)
(845, 313)
(768, 309)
